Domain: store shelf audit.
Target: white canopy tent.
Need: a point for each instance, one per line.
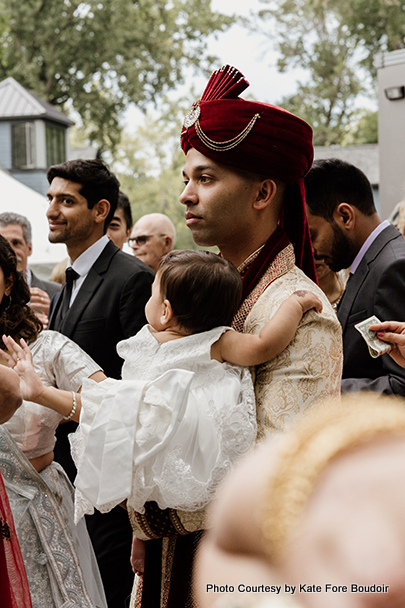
(18, 198)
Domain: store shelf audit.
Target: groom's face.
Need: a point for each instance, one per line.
(218, 201)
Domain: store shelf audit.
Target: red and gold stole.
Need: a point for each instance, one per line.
(274, 259)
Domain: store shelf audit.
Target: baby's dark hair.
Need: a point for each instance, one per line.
(203, 289)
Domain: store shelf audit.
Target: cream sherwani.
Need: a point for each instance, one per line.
(309, 370)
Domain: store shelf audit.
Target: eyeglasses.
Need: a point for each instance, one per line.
(141, 240)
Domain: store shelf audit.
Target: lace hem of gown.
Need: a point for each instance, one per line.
(171, 439)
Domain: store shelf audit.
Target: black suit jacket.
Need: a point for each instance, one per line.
(376, 288)
(49, 286)
(109, 307)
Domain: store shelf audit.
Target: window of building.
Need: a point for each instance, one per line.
(55, 145)
(23, 145)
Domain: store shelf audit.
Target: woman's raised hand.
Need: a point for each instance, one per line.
(20, 359)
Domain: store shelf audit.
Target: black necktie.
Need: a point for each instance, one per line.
(71, 275)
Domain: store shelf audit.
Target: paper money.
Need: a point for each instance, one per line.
(376, 346)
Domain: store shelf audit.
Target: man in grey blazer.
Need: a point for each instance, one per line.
(101, 303)
(347, 232)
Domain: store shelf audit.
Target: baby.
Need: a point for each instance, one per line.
(184, 410)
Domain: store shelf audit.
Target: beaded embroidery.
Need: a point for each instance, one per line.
(192, 118)
(282, 263)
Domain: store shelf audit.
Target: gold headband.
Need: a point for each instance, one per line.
(192, 117)
(306, 451)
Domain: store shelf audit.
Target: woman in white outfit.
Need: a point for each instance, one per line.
(58, 557)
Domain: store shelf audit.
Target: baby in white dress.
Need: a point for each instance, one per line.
(184, 410)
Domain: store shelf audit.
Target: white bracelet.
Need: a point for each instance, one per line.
(74, 406)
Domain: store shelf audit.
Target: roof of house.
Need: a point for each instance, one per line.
(18, 102)
(383, 60)
(365, 157)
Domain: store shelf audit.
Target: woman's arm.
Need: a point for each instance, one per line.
(10, 396)
(66, 403)
(275, 336)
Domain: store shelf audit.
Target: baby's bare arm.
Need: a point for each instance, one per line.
(307, 299)
(275, 336)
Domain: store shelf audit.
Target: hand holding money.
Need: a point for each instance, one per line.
(376, 346)
(393, 332)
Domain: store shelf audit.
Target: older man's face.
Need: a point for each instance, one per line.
(15, 236)
(148, 243)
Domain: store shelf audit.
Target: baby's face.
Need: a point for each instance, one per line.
(154, 306)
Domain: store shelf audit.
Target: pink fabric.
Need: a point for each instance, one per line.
(14, 589)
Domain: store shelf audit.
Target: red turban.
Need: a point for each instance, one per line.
(277, 144)
(256, 137)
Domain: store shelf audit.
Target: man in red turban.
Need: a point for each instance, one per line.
(244, 192)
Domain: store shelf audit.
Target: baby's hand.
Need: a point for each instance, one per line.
(307, 300)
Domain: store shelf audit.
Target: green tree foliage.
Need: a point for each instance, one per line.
(376, 25)
(309, 34)
(100, 55)
(363, 129)
(335, 41)
(149, 163)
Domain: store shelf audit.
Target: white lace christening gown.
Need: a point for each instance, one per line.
(168, 431)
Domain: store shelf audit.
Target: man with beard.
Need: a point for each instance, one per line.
(244, 193)
(347, 232)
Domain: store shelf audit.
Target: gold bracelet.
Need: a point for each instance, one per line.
(306, 451)
(74, 406)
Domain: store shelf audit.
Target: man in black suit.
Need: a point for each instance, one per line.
(101, 303)
(347, 233)
(18, 231)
